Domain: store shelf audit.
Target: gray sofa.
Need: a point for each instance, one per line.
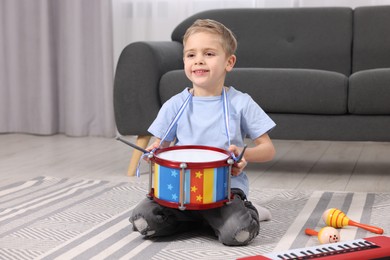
(320, 73)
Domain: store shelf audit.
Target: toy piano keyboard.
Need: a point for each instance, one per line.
(366, 248)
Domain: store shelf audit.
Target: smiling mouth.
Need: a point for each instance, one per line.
(200, 72)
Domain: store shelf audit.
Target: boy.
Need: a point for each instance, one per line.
(208, 55)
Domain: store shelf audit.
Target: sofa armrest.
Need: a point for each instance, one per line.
(139, 69)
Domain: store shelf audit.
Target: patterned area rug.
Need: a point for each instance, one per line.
(50, 218)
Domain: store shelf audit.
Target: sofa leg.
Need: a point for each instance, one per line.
(142, 141)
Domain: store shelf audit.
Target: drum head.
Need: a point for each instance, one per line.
(193, 156)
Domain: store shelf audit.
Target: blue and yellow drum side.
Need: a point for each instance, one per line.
(202, 186)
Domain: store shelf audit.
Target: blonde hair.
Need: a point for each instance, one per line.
(228, 40)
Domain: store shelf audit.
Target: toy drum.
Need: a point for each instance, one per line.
(191, 177)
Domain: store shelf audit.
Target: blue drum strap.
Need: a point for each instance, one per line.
(177, 117)
(172, 124)
(226, 113)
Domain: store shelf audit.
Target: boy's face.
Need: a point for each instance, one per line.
(206, 63)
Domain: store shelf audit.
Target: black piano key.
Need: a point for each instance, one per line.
(341, 246)
(304, 253)
(346, 245)
(311, 252)
(285, 256)
(362, 244)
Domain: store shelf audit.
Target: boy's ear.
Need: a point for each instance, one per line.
(230, 62)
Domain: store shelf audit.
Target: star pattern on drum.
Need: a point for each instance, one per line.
(168, 180)
(199, 186)
(174, 173)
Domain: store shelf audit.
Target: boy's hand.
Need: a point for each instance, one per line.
(239, 166)
(154, 145)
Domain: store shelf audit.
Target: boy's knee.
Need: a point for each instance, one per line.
(151, 219)
(243, 225)
(143, 218)
(241, 238)
(235, 234)
(141, 225)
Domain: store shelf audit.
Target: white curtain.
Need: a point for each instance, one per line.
(57, 57)
(56, 67)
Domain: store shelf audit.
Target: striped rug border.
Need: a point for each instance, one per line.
(88, 219)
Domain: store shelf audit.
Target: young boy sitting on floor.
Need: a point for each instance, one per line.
(209, 49)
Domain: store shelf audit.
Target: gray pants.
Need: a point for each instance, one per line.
(234, 224)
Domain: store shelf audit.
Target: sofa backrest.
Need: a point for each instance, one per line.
(371, 38)
(313, 38)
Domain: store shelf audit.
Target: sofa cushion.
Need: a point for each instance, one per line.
(310, 38)
(331, 127)
(172, 83)
(300, 91)
(369, 92)
(371, 38)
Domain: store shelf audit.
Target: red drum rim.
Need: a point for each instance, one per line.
(190, 206)
(191, 165)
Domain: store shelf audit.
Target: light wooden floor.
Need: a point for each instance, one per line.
(312, 165)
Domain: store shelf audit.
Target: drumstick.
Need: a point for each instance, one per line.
(241, 154)
(131, 144)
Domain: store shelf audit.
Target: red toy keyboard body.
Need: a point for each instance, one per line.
(367, 248)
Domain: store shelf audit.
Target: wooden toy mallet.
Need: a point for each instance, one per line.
(326, 235)
(336, 218)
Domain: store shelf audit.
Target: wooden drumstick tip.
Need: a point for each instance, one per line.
(118, 138)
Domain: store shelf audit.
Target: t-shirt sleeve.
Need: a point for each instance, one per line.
(255, 121)
(164, 118)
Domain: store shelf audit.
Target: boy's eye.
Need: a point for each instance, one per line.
(190, 55)
(209, 54)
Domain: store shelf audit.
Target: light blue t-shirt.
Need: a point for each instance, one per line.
(202, 123)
